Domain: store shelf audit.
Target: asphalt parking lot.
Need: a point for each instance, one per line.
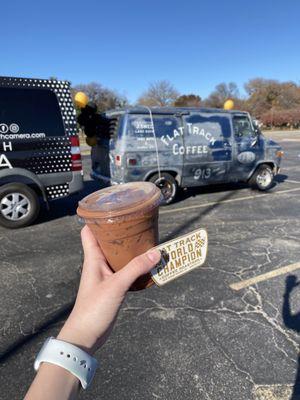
(211, 334)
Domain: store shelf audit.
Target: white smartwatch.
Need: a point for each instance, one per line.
(69, 357)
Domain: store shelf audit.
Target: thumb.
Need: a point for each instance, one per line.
(140, 265)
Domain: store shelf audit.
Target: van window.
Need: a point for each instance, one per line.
(210, 130)
(242, 127)
(139, 126)
(30, 111)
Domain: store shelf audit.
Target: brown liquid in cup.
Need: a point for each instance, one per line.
(124, 220)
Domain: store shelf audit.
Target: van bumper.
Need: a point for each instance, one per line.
(76, 184)
(72, 180)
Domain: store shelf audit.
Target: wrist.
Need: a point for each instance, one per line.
(58, 371)
(75, 336)
(71, 359)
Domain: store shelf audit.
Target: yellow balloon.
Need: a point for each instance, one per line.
(229, 104)
(91, 141)
(81, 99)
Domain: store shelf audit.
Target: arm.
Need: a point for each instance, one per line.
(100, 295)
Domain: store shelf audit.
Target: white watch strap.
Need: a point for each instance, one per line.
(69, 357)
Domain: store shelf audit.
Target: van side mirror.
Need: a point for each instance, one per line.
(254, 141)
(256, 127)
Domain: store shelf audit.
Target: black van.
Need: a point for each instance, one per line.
(185, 147)
(39, 147)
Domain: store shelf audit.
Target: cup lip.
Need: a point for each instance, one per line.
(132, 212)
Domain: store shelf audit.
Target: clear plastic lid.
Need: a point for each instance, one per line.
(119, 200)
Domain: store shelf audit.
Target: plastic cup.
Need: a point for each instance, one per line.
(124, 221)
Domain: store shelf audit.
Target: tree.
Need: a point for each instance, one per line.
(222, 92)
(104, 98)
(188, 100)
(282, 118)
(269, 94)
(160, 94)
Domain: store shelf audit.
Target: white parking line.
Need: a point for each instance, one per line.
(290, 181)
(264, 277)
(203, 205)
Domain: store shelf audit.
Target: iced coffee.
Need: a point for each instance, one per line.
(124, 220)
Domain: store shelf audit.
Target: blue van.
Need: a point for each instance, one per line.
(184, 147)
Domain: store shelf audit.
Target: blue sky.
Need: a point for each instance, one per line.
(126, 44)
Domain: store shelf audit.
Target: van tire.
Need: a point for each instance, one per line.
(167, 184)
(29, 205)
(263, 177)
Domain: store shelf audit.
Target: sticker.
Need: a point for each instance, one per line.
(180, 255)
(246, 157)
(3, 128)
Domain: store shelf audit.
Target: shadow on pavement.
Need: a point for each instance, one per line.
(280, 178)
(180, 229)
(67, 205)
(292, 321)
(221, 187)
(228, 188)
(56, 317)
(195, 191)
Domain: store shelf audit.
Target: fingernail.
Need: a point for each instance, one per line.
(154, 255)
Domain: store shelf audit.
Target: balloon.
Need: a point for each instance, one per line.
(229, 104)
(91, 141)
(81, 99)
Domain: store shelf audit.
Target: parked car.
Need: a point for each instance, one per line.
(39, 147)
(185, 147)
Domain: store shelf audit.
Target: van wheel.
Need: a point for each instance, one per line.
(262, 178)
(19, 205)
(167, 184)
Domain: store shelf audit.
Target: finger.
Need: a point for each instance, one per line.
(90, 245)
(135, 268)
(95, 264)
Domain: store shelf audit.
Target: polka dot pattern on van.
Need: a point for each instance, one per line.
(52, 154)
(56, 191)
(60, 88)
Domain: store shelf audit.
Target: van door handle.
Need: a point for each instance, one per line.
(226, 145)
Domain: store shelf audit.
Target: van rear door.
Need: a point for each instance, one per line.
(37, 119)
(141, 138)
(207, 148)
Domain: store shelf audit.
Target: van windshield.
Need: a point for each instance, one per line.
(30, 111)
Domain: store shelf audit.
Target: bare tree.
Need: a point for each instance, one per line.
(160, 93)
(222, 92)
(188, 100)
(104, 98)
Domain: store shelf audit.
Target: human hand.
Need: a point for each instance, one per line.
(100, 295)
